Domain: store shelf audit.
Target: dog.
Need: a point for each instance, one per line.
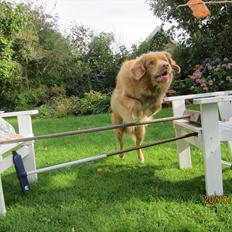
(141, 86)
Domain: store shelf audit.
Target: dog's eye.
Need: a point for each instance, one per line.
(152, 63)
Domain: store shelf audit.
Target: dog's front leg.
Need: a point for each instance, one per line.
(134, 107)
(153, 108)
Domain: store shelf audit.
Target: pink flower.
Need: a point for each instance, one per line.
(192, 77)
(206, 88)
(210, 82)
(198, 81)
(199, 67)
(197, 74)
(203, 85)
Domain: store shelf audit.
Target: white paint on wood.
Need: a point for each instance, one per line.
(211, 149)
(183, 148)
(212, 99)
(26, 150)
(25, 129)
(15, 114)
(2, 201)
(7, 162)
(187, 125)
(178, 107)
(201, 95)
(7, 147)
(225, 110)
(196, 140)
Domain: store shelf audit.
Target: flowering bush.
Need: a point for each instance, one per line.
(212, 75)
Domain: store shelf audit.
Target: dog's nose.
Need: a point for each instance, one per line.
(165, 65)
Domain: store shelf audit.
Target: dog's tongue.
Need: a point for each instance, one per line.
(162, 79)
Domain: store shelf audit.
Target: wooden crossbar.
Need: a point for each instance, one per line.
(90, 130)
(106, 155)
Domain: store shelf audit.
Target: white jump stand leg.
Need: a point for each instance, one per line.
(183, 147)
(184, 151)
(25, 128)
(2, 201)
(211, 149)
(229, 143)
(225, 110)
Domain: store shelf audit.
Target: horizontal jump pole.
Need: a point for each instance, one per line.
(106, 155)
(22, 174)
(227, 163)
(90, 130)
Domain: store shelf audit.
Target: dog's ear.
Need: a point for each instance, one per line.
(173, 64)
(138, 69)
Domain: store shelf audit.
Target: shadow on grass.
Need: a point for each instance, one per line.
(108, 183)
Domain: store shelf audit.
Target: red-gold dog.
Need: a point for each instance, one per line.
(141, 86)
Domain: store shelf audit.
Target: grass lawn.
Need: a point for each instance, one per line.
(113, 194)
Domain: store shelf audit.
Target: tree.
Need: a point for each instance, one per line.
(96, 62)
(100, 57)
(36, 60)
(12, 21)
(204, 38)
(160, 41)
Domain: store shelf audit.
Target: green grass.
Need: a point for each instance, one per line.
(113, 194)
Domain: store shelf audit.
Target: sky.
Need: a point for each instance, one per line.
(130, 20)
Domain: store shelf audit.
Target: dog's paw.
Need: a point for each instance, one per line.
(141, 160)
(122, 156)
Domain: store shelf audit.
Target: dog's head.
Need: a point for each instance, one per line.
(157, 66)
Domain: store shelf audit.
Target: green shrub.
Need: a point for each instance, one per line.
(59, 106)
(44, 111)
(94, 102)
(29, 99)
(74, 105)
(102, 105)
(56, 91)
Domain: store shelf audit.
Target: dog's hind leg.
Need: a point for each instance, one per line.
(139, 134)
(116, 119)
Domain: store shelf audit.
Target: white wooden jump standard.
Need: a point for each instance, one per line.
(210, 134)
(26, 149)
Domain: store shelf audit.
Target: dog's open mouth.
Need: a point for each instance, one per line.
(162, 78)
